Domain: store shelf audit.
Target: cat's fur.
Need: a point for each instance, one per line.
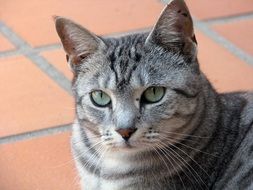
(194, 138)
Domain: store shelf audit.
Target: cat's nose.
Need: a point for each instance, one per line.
(126, 133)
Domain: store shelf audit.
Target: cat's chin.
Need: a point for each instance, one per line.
(126, 147)
(123, 145)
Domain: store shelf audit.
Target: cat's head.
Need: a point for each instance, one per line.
(135, 91)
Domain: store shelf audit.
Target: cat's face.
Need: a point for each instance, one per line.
(135, 92)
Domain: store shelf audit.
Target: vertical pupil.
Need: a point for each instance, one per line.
(101, 95)
(154, 89)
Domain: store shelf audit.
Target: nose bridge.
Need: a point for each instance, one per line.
(124, 115)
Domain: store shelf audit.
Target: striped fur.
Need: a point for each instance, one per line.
(194, 138)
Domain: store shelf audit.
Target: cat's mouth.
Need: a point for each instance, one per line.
(127, 146)
(123, 145)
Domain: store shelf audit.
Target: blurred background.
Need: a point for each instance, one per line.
(36, 106)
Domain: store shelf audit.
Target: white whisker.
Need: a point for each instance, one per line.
(166, 155)
(161, 158)
(186, 135)
(187, 162)
(175, 140)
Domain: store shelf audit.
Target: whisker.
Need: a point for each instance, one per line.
(92, 147)
(182, 138)
(161, 158)
(166, 156)
(76, 180)
(187, 162)
(92, 157)
(156, 180)
(89, 164)
(186, 135)
(182, 162)
(174, 140)
(189, 157)
(68, 108)
(101, 156)
(85, 140)
(71, 160)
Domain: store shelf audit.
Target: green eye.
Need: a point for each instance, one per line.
(100, 98)
(153, 94)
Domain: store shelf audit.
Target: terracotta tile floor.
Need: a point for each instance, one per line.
(5, 44)
(36, 104)
(240, 33)
(206, 9)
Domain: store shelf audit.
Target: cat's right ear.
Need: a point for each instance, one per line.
(174, 28)
(78, 42)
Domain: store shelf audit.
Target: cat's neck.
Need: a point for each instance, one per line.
(221, 121)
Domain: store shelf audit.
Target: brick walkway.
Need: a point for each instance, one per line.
(36, 104)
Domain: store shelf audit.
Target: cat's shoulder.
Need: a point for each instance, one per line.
(238, 174)
(247, 112)
(243, 102)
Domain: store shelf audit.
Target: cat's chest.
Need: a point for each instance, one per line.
(115, 179)
(107, 179)
(118, 174)
(116, 185)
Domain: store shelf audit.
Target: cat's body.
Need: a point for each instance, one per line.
(147, 117)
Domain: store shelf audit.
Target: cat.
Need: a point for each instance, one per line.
(147, 118)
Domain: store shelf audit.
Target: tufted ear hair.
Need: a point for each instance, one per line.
(77, 41)
(174, 28)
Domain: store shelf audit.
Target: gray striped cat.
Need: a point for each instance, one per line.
(147, 118)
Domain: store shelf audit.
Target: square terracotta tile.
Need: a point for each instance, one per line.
(5, 45)
(32, 19)
(225, 71)
(58, 59)
(39, 164)
(240, 33)
(30, 100)
(206, 9)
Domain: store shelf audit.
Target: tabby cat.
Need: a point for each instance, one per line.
(147, 118)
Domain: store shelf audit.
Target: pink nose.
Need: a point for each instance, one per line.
(126, 133)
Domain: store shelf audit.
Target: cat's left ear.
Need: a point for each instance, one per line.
(78, 42)
(174, 28)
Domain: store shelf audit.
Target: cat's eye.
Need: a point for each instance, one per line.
(153, 94)
(100, 98)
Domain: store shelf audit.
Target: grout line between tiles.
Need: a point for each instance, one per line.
(35, 134)
(10, 53)
(165, 1)
(26, 50)
(50, 47)
(229, 19)
(203, 27)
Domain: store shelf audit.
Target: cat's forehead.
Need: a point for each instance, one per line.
(122, 56)
(134, 49)
(129, 46)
